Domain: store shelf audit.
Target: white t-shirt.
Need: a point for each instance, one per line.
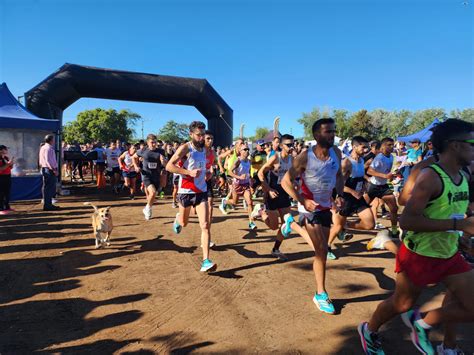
(381, 164)
(112, 158)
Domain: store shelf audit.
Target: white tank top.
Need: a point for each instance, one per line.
(128, 161)
(196, 160)
(319, 180)
(283, 168)
(243, 168)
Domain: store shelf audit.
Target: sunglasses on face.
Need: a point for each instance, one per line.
(209, 138)
(245, 149)
(289, 145)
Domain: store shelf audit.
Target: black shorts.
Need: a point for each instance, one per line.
(324, 218)
(353, 205)
(151, 180)
(281, 201)
(378, 191)
(192, 200)
(256, 181)
(210, 190)
(113, 171)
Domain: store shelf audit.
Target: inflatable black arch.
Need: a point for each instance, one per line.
(71, 82)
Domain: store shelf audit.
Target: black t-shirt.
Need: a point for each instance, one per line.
(151, 163)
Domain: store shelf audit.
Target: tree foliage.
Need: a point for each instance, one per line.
(100, 125)
(380, 123)
(174, 131)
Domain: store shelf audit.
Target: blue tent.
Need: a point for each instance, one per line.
(15, 115)
(423, 135)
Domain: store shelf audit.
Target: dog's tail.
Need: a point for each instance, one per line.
(90, 204)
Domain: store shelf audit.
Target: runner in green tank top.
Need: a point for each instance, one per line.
(433, 216)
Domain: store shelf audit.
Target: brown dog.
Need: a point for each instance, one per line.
(101, 223)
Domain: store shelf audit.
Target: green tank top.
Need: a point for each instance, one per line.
(232, 159)
(451, 203)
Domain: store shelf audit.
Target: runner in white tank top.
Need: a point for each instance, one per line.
(353, 172)
(192, 187)
(277, 201)
(240, 172)
(320, 170)
(129, 169)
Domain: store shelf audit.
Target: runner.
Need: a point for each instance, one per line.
(258, 159)
(210, 159)
(320, 170)
(277, 200)
(193, 188)
(377, 186)
(230, 157)
(113, 168)
(240, 172)
(353, 172)
(433, 216)
(129, 169)
(153, 162)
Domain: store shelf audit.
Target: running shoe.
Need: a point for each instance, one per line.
(147, 212)
(176, 226)
(419, 335)
(162, 195)
(441, 350)
(223, 206)
(174, 205)
(343, 236)
(286, 227)
(252, 226)
(294, 203)
(371, 343)
(256, 211)
(207, 265)
(278, 254)
(331, 255)
(379, 241)
(379, 226)
(132, 197)
(324, 304)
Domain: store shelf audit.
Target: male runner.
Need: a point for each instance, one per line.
(258, 159)
(240, 172)
(433, 217)
(210, 158)
(192, 191)
(320, 170)
(377, 186)
(353, 172)
(230, 157)
(113, 170)
(153, 162)
(277, 200)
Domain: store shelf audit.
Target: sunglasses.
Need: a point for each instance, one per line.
(289, 145)
(245, 149)
(209, 138)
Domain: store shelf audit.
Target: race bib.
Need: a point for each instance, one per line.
(152, 165)
(359, 186)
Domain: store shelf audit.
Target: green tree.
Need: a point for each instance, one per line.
(307, 121)
(100, 125)
(423, 118)
(343, 127)
(174, 131)
(466, 114)
(260, 132)
(361, 125)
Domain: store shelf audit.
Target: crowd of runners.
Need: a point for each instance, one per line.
(322, 192)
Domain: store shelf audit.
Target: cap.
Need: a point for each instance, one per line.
(260, 142)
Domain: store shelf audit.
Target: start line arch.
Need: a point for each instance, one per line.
(71, 82)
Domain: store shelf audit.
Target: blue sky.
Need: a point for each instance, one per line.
(265, 58)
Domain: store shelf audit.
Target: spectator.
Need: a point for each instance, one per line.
(5, 180)
(49, 170)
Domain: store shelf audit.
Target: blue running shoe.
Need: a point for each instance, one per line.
(331, 255)
(419, 335)
(176, 226)
(223, 206)
(286, 227)
(207, 265)
(324, 304)
(370, 341)
(252, 226)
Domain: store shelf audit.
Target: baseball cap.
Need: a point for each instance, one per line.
(260, 142)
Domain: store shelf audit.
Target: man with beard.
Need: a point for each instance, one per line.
(153, 162)
(434, 216)
(277, 200)
(192, 188)
(320, 170)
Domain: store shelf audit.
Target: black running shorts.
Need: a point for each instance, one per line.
(192, 200)
(378, 191)
(353, 205)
